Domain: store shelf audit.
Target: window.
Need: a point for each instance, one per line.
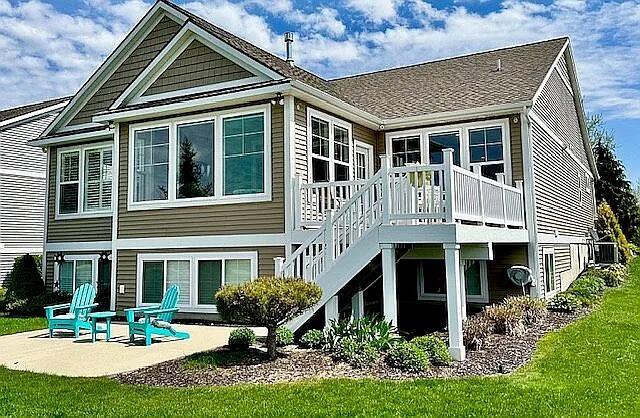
(198, 276)
(213, 158)
(195, 160)
(330, 140)
(549, 266)
(244, 154)
(405, 150)
(151, 164)
(76, 271)
(85, 180)
(441, 141)
(486, 150)
(432, 283)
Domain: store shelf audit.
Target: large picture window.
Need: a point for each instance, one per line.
(85, 180)
(198, 276)
(331, 147)
(195, 160)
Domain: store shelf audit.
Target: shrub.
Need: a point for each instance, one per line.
(564, 302)
(284, 336)
(368, 330)
(268, 302)
(475, 330)
(242, 338)
(607, 225)
(614, 275)
(314, 338)
(3, 293)
(434, 348)
(533, 310)
(587, 288)
(24, 281)
(506, 319)
(407, 356)
(34, 306)
(358, 354)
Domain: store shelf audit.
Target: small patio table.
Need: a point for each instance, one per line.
(97, 328)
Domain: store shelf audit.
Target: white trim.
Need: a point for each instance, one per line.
(114, 219)
(30, 115)
(46, 215)
(332, 121)
(193, 258)
(205, 241)
(77, 246)
(549, 72)
(81, 213)
(289, 169)
(23, 173)
(441, 297)
(82, 136)
(560, 239)
(219, 197)
(113, 62)
(20, 250)
(74, 258)
(368, 155)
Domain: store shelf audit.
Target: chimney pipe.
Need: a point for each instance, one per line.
(288, 40)
(499, 65)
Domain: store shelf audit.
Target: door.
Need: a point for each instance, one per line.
(363, 161)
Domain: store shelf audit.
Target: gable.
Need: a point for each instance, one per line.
(197, 66)
(132, 66)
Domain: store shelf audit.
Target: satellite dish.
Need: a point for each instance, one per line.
(520, 276)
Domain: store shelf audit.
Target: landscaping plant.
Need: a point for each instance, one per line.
(608, 226)
(506, 319)
(533, 310)
(564, 302)
(3, 294)
(614, 275)
(407, 356)
(475, 330)
(284, 336)
(370, 330)
(314, 338)
(242, 338)
(434, 348)
(359, 354)
(587, 288)
(267, 302)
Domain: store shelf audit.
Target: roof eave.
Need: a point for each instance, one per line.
(10, 122)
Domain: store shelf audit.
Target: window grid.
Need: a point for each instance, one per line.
(330, 149)
(98, 178)
(406, 150)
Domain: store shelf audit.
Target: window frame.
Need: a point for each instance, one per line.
(193, 258)
(74, 258)
(218, 167)
(483, 297)
(332, 121)
(463, 132)
(549, 251)
(81, 149)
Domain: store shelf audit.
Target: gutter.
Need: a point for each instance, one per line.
(72, 137)
(9, 122)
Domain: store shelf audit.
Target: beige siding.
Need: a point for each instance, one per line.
(505, 256)
(245, 218)
(132, 66)
(127, 267)
(72, 230)
(359, 133)
(197, 66)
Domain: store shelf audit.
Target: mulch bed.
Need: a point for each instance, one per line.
(499, 354)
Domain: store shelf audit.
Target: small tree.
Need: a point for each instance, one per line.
(25, 281)
(607, 225)
(267, 302)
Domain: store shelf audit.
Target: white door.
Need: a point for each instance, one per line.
(363, 161)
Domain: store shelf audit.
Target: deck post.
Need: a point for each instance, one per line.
(454, 300)
(389, 300)
(463, 291)
(331, 312)
(278, 263)
(502, 180)
(520, 186)
(299, 214)
(357, 305)
(447, 155)
(385, 165)
(329, 237)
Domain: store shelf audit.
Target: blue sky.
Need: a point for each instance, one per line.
(49, 47)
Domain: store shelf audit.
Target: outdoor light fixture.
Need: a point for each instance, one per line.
(58, 258)
(104, 256)
(278, 100)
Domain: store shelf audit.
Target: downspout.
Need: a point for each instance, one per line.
(530, 203)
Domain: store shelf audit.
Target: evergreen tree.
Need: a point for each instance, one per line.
(190, 176)
(25, 280)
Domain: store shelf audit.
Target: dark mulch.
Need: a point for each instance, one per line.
(499, 354)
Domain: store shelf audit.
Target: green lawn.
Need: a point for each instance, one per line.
(13, 325)
(589, 368)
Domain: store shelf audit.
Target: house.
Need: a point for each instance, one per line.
(22, 180)
(194, 157)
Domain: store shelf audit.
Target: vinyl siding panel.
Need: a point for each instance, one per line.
(221, 219)
(16, 154)
(505, 256)
(132, 66)
(197, 66)
(72, 230)
(22, 202)
(127, 267)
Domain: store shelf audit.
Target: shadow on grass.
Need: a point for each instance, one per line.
(225, 357)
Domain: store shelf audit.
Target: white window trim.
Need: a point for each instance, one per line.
(369, 148)
(483, 297)
(218, 198)
(193, 259)
(545, 252)
(332, 121)
(81, 149)
(463, 132)
(73, 258)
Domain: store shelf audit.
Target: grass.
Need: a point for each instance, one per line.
(9, 325)
(590, 368)
(224, 357)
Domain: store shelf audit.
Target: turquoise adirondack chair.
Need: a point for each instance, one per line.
(76, 317)
(156, 320)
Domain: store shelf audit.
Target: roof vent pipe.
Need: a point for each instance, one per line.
(288, 40)
(499, 65)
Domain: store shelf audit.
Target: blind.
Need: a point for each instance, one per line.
(237, 271)
(209, 281)
(98, 179)
(65, 277)
(84, 272)
(179, 272)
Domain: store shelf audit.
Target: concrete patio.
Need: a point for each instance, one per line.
(62, 355)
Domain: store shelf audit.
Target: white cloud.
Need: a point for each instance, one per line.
(376, 11)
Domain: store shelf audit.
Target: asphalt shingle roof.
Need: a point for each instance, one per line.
(26, 109)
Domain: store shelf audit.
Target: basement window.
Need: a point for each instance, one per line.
(432, 283)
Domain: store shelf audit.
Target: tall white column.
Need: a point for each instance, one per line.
(389, 300)
(331, 312)
(463, 290)
(454, 300)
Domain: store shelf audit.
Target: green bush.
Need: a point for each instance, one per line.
(284, 336)
(3, 294)
(379, 333)
(506, 319)
(242, 338)
(435, 348)
(587, 288)
(407, 356)
(314, 338)
(607, 225)
(476, 329)
(614, 275)
(358, 354)
(564, 302)
(532, 310)
(267, 302)
(24, 280)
